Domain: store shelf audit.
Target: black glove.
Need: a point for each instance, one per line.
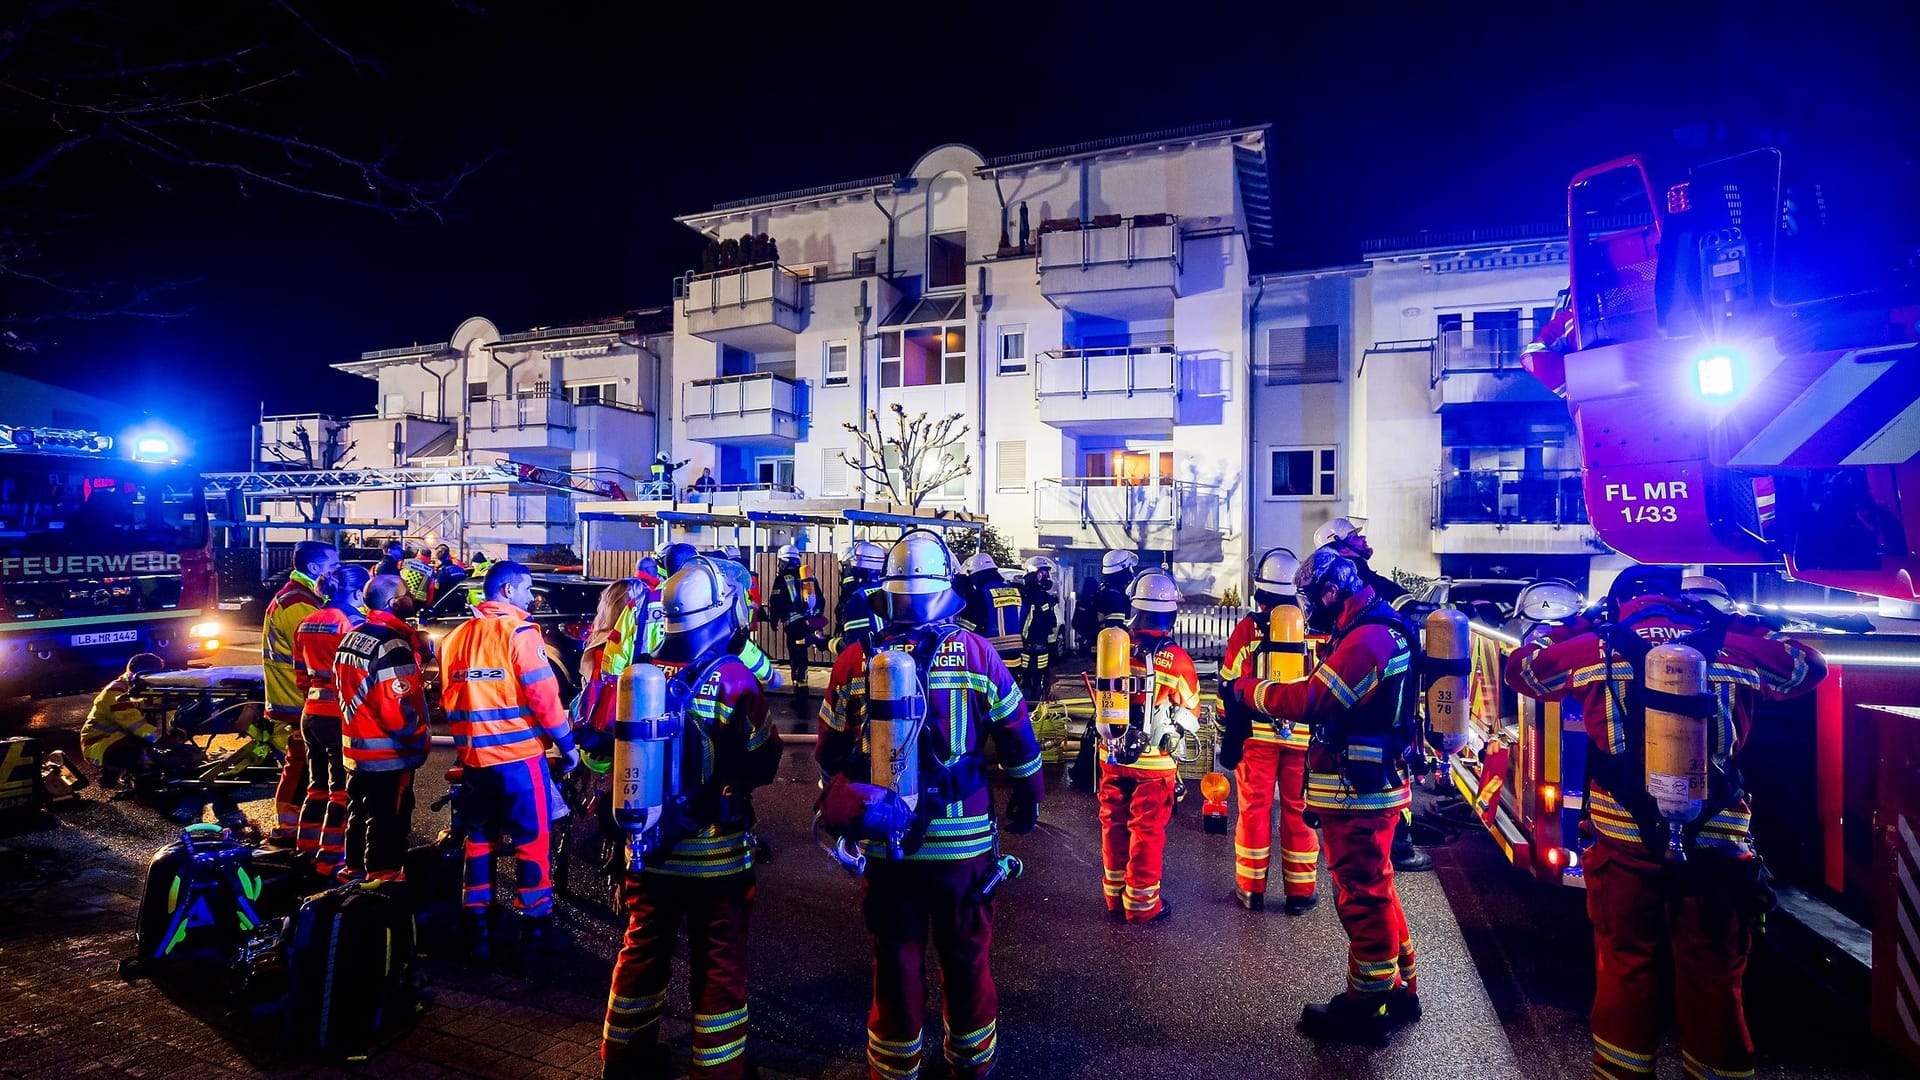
(1023, 811)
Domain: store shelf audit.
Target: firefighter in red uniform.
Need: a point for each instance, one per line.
(705, 876)
(1138, 774)
(323, 816)
(383, 711)
(1268, 762)
(503, 705)
(1358, 705)
(1699, 911)
(969, 697)
(280, 721)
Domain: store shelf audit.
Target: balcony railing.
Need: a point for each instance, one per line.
(740, 286)
(521, 411)
(1123, 370)
(1109, 240)
(747, 409)
(736, 494)
(1478, 352)
(1103, 500)
(1509, 497)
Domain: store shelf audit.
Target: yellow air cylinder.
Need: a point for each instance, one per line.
(895, 709)
(1112, 682)
(1448, 643)
(1676, 744)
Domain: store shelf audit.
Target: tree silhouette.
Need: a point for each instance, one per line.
(915, 461)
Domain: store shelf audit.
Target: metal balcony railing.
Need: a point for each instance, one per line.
(737, 395)
(1101, 500)
(1110, 239)
(1125, 370)
(521, 411)
(1478, 352)
(739, 286)
(1509, 497)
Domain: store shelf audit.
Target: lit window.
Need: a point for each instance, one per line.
(836, 363)
(947, 260)
(1013, 349)
(925, 356)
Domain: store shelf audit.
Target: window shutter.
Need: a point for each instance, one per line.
(833, 473)
(1303, 354)
(1011, 462)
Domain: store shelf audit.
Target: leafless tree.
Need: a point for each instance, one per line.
(164, 92)
(917, 459)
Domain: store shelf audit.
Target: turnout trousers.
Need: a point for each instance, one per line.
(1359, 856)
(379, 822)
(715, 911)
(291, 790)
(1636, 903)
(1266, 768)
(904, 901)
(323, 814)
(509, 803)
(1135, 805)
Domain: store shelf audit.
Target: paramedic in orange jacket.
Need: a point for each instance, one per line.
(1643, 905)
(280, 727)
(1137, 780)
(323, 816)
(503, 706)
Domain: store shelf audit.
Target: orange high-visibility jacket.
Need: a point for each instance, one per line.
(499, 690)
(314, 644)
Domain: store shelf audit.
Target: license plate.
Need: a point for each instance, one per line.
(108, 637)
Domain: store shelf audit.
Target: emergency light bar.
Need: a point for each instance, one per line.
(50, 438)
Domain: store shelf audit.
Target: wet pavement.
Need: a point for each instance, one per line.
(1211, 992)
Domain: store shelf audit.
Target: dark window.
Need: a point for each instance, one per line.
(946, 260)
(1305, 473)
(477, 391)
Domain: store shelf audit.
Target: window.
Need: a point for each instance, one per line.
(835, 473)
(1300, 472)
(776, 472)
(1011, 461)
(952, 489)
(1303, 354)
(477, 391)
(435, 496)
(1013, 349)
(599, 393)
(926, 356)
(1128, 468)
(865, 263)
(836, 363)
(947, 260)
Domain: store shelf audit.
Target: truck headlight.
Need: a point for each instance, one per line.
(209, 629)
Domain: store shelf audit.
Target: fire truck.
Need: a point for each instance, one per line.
(1740, 355)
(97, 563)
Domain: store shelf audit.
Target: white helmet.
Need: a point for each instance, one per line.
(740, 585)
(695, 596)
(1274, 574)
(977, 562)
(1155, 600)
(917, 585)
(1115, 562)
(1709, 591)
(1041, 566)
(1338, 529)
(788, 553)
(867, 555)
(1547, 600)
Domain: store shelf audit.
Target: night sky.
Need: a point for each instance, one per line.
(604, 120)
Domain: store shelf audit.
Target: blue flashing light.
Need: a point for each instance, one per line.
(1716, 374)
(152, 446)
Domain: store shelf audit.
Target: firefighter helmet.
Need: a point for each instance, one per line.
(695, 602)
(1041, 570)
(788, 553)
(677, 556)
(917, 585)
(1547, 600)
(979, 562)
(1324, 569)
(867, 555)
(1118, 562)
(740, 584)
(1155, 599)
(1273, 576)
(1709, 591)
(1338, 529)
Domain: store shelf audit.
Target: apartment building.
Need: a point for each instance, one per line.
(1083, 309)
(1391, 391)
(578, 399)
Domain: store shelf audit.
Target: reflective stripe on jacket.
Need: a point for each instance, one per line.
(296, 600)
(383, 699)
(113, 717)
(730, 746)
(498, 689)
(1175, 686)
(314, 643)
(1243, 649)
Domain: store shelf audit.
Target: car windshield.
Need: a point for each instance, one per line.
(1501, 594)
(565, 597)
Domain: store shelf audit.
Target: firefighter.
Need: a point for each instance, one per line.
(1040, 631)
(859, 577)
(706, 876)
(447, 570)
(1106, 605)
(644, 624)
(741, 644)
(994, 609)
(392, 554)
(116, 734)
(481, 564)
(677, 556)
(383, 713)
(1137, 780)
(417, 572)
(969, 698)
(280, 720)
(795, 605)
(1268, 761)
(502, 704)
(1357, 704)
(1699, 913)
(1346, 538)
(322, 834)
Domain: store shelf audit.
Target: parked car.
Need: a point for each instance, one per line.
(1488, 600)
(244, 598)
(563, 609)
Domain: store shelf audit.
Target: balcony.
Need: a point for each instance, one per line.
(381, 441)
(1131, 389)
(742, 410)
(756, 308)
(1479, 366)
(1097, 510)
(1502, 511)
(520, 422)
(746, 496)
(1112, 267)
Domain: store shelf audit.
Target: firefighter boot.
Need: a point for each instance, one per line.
(1254, 901)
(1403, 1006)
(1300, 905)
(1408, 859)
(537, 939)
(478, 949)
(1347, 1019)
(645, 1062)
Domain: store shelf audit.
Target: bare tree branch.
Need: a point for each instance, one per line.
(922, 450)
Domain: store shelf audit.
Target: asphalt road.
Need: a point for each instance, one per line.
(1211, 992)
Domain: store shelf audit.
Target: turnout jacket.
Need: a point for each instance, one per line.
(1041, 628)
(996, 611)
(383, 698)
(729, 749)
(971, 697)
(297, 599)
(314, 644)
(1752, 666)
(498, 689)
(1242, 661)
(113, 717)
(1352, 703)
(1172, 689)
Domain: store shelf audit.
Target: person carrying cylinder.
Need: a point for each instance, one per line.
(322, 834)
(503, 706)
(794, 606)
(927, 695)
(691, 742)
(1148, 702)
(853, 618)
(1358, 705)
(1668, 689)
(1040, 631)
(1267, 758)
(994, 609)
(285, 700)
(384, 717)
